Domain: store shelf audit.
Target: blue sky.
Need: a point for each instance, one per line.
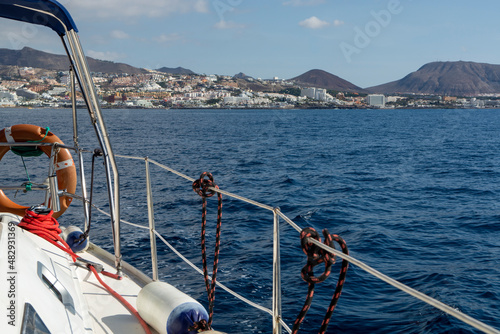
(365, 42)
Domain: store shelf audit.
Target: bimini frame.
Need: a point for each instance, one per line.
(53, 15)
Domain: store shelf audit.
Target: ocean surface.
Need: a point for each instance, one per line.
(415, 194)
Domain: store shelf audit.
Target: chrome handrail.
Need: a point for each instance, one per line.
(151, 219)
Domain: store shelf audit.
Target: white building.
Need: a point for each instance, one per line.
(66, 80)
(319, 94)
(475, 103)
(236, 99)
(57, 90)
(151, 86)
(308, 92)
(144, 104)
(9, 96)
(212, 78)
(27, 94)
(376, 100)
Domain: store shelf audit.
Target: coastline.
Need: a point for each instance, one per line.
(441, 107)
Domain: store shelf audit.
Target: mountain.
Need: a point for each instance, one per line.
(447, 78)
(322, 79)
(28, 57)
(242, 75)
(177, 70)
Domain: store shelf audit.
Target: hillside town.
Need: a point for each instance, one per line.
(33, 87)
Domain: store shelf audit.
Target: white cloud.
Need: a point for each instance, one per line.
(167, 38)
(134, 8)
(106, 55)
(222, 24)
(297, 3)
(313, 23)
(338, 23)
(118, 34)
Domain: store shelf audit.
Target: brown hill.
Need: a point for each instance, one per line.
(323, 79)
(177, 70)
(447, 78)
(28, 57)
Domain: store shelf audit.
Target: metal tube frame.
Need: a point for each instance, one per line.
(86, 209)
(276, 274)
(51, 171)
(82, 74)
(79, 63)
(151, 217)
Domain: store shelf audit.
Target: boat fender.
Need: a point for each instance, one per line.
(169, 310)
(71, 235)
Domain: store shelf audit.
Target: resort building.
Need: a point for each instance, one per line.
(376, 100)
(319, 94)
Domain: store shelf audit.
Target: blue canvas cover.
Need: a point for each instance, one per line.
(48, 13)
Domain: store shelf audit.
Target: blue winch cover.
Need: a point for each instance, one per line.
(48, 13)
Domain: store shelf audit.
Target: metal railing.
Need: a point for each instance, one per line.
(276, 302)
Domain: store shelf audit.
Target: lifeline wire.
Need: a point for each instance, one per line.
(192, 265)
(429, 300)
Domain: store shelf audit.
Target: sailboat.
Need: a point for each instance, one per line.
(56, 280)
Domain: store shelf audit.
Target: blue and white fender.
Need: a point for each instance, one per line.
(71, 235)
(169, 310)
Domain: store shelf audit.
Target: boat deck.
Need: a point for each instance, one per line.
(107, 313)
(46, 284)
(43, 273)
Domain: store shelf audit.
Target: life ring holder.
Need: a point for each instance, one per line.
(65, 167)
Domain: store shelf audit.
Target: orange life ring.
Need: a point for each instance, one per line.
(65, 167)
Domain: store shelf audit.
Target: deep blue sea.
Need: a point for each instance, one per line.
(415, 194)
